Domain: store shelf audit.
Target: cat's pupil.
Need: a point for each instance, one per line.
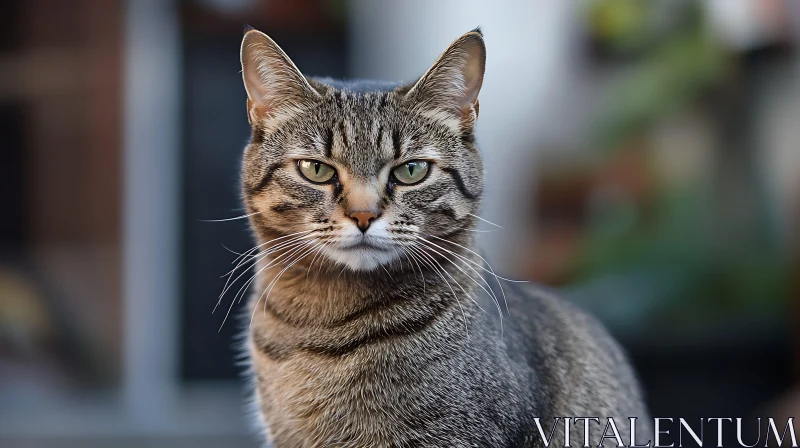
(410, 169)
(316, 167)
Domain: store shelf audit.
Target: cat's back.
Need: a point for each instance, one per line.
(582, 369)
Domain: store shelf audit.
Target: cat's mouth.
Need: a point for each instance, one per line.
(363, 245)
(362, 252)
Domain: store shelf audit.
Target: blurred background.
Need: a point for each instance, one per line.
(642, 156)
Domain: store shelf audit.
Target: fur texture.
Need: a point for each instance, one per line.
(399, 335)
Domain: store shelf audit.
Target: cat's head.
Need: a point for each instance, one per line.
(359, 172)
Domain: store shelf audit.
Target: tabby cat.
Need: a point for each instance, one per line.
(374, 321)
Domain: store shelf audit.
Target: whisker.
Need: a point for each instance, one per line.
(377, 260)
(485, 220)
(412, 257)
(241, 292)
(229, 283)
(454, 280)
(452, 291)
(282, 259)
(233, 251)
(302, 232)
(399, 259)
(319, 267)
(254, 258)
(268, 251)
(321, 247)
(231, 219)
(247, 253)
(489, 291)
(268, 289)
(490, 270)
(467, 260)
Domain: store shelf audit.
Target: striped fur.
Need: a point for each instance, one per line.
(407, 342)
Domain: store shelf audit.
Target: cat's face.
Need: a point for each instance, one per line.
(358, 174)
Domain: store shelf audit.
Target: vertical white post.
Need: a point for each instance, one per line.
(151, 210)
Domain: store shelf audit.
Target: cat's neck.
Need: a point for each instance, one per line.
(329, 297)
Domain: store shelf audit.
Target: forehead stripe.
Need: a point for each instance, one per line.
(460, 183)
(396, 143)
(380, 136)
(265, 179)
(343, 131)
(329, 143)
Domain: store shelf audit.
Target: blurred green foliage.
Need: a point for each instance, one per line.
(666, 66)
(667, 260)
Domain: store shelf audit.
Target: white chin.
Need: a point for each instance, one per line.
(360, 259)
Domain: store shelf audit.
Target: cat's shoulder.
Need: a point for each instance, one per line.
(552, 315)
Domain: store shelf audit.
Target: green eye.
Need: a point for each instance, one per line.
(316, 172)
(411, 172)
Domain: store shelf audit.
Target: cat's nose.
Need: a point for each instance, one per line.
(363, 218)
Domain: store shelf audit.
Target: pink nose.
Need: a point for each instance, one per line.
(362, 219)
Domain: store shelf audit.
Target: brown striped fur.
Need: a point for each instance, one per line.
(408, 342)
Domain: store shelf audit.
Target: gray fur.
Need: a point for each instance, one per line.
(422, 349)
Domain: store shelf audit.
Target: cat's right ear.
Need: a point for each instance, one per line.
(275, 87)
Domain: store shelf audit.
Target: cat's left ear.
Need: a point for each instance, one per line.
(275, 87)
(452, 84)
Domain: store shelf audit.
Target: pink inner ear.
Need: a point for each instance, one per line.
(473, 78)
(271, 79)
(258, 104)
(454, 81)
(472, 71)
(253, 82)
(253, 86)
(256, 111)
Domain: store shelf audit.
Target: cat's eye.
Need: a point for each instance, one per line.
(315, 171)
(411, 172)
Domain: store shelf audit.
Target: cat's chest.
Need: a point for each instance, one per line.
(357, 398)
(319, 385)
(363, 378)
